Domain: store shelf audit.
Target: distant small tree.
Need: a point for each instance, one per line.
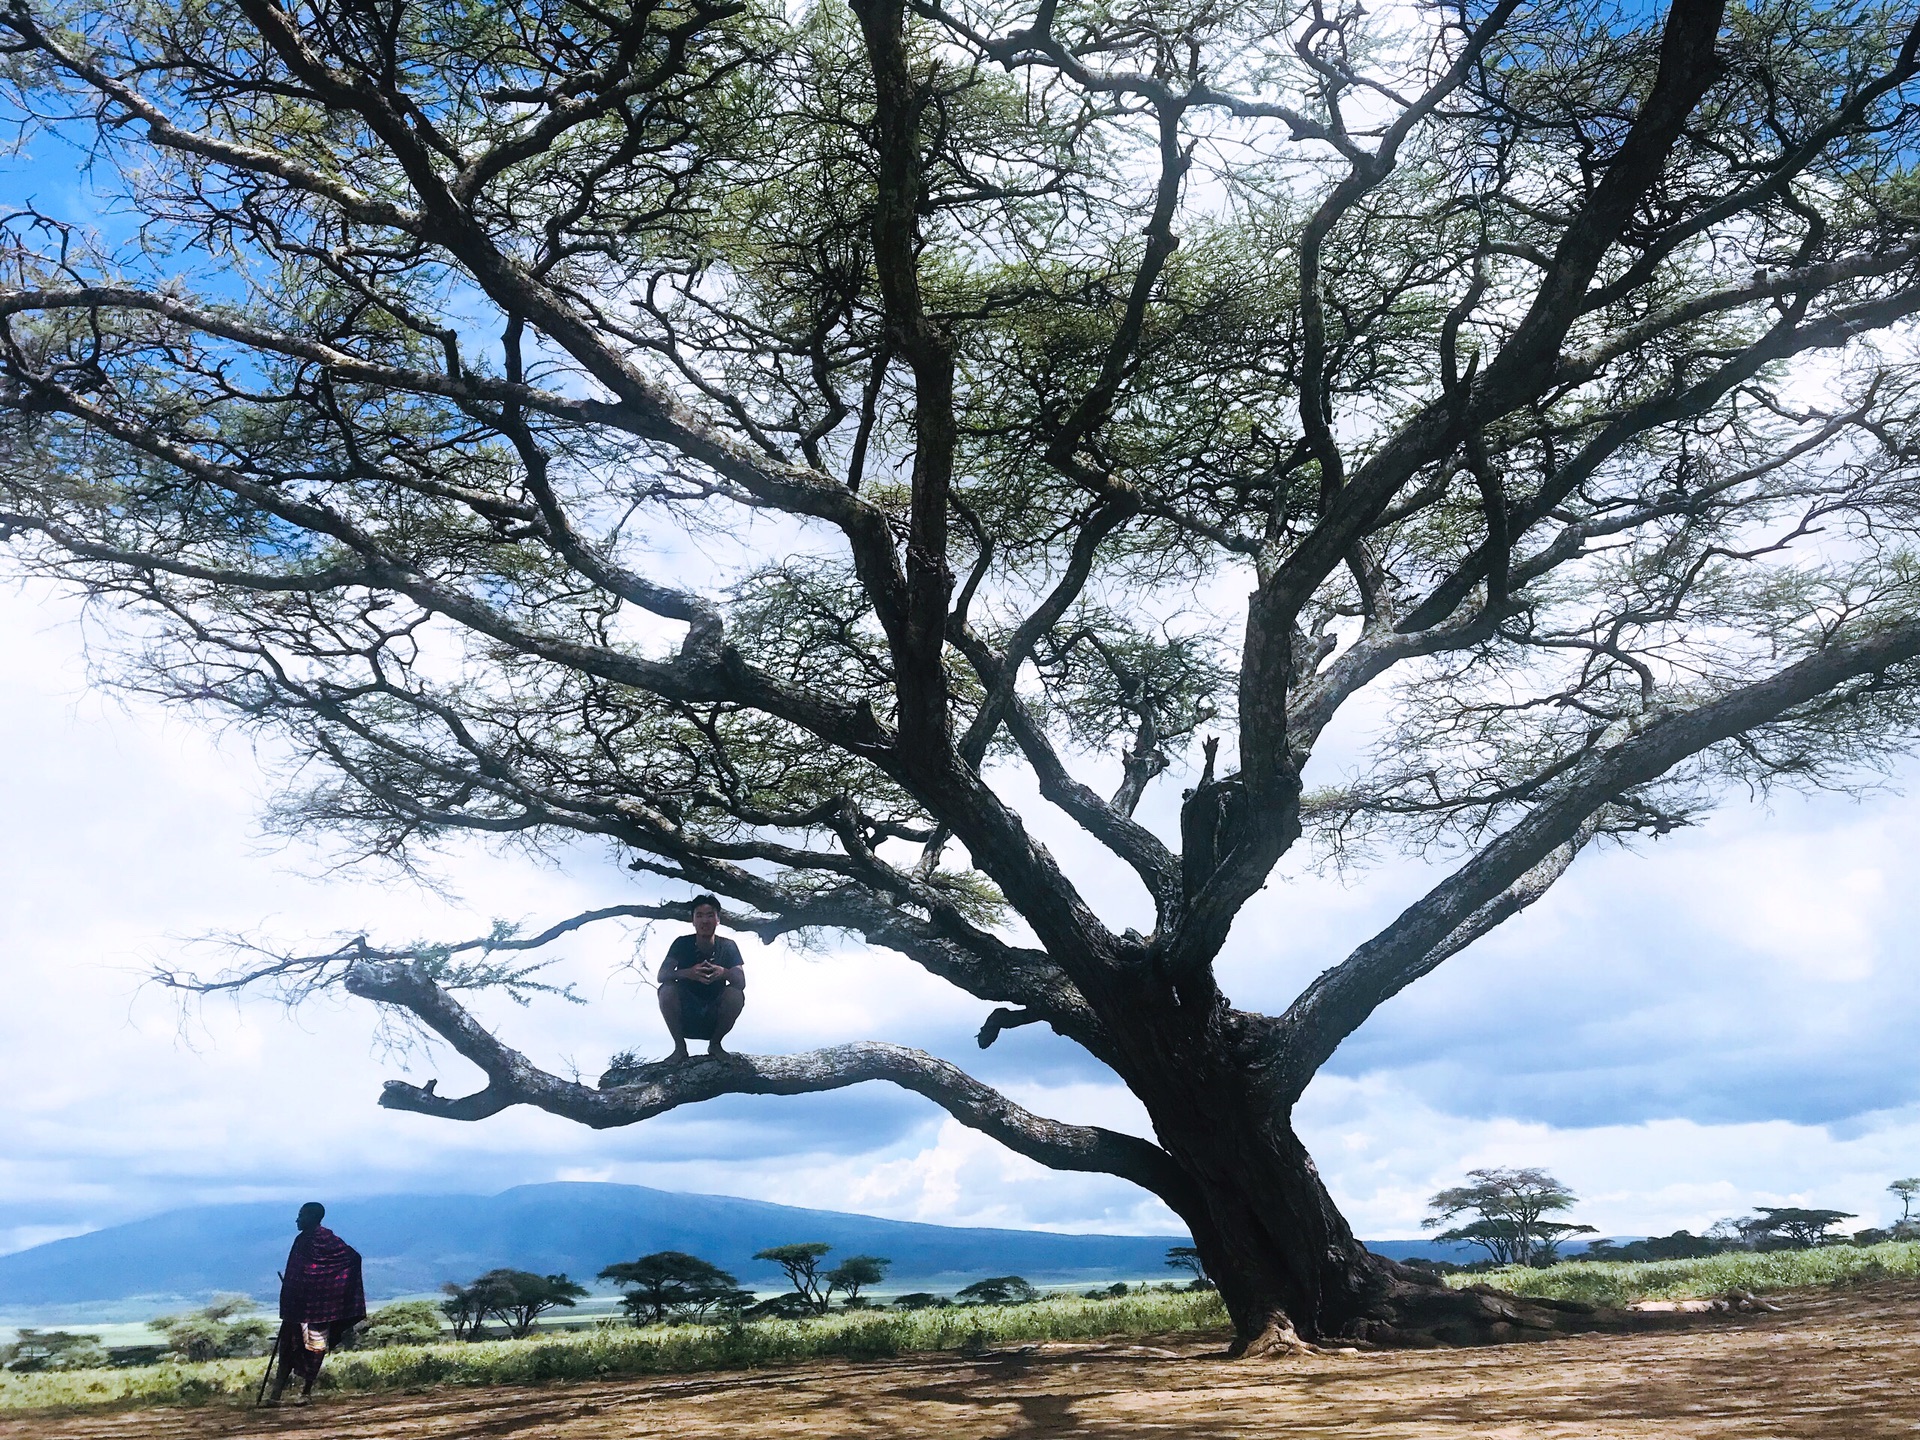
(225, 1328)
(670, 1284)
(1185, 1257)
(1907, 1190)
(1510, 1207)
(998, 1290)
(1790, 1227)
(517, 1298)
(854, 1274)
(405, 1322)
(787, 1305)
(52, 1350)
(463, 1311)
(801, 1263)
(922, 1300)
(1680, 1245)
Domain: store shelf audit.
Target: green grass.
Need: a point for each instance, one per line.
(1612, 1282)
(621, 1350)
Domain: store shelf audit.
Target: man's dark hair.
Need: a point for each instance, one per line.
(700, 900)
(311, 1214)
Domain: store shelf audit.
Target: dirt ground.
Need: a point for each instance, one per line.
(1833, 1364)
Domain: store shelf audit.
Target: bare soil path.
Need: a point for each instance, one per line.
(1834, 1364)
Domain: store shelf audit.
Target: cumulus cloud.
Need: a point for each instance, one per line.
(1718, 1021)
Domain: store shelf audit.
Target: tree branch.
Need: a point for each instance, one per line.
(1341, 999)
(627, 1097)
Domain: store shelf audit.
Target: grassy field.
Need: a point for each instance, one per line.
(1607, 1282)
(617, 1349)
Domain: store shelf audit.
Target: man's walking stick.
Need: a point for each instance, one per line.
(273, 1357)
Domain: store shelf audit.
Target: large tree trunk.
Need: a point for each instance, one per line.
(1289, 1269)
(1287, 1266)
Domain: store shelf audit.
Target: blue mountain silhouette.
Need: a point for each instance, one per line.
(415, 1243)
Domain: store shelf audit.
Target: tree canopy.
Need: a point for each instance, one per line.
(517, 1298)
(800, 1262)
(1791, 1227)
(854, 1274)
(998, 1290)
(669, 1284)
(781, 442)
(1510, 1209)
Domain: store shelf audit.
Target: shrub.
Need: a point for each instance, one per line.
(998, 1290)
(407, 1322)
(921, 1300)
(52, 1350)
(619, 1350)
(1613, 1283)
(226, 1327)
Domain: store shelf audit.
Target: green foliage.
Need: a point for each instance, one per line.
(517, 1298)
(463, 1312)
(1790, 1227)
(406, 1322)
(1757, 1271)
(1185, 1257)
(854, 1274)
(998, 1290)
(1680, 1245)
(671, 1284)
(33, 1350)
(920, 1300)
(226, 1327)
(1905, 1191)
(801, 1262)
(788, 1305)
(613, 1351)
(1509, 1206)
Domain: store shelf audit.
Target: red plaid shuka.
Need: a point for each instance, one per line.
(321, 1285)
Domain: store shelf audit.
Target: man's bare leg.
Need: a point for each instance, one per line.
(726, 1010)
(670, 1012)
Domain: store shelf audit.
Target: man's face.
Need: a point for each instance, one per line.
(705, 919)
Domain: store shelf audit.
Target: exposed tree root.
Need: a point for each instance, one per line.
(1277, 1337)
(1411, 1309)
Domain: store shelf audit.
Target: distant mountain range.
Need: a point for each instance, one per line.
(414, 1243)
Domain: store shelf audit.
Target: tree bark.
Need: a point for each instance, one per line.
(1288, 1267)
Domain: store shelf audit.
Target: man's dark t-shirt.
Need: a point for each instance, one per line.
(700, 999)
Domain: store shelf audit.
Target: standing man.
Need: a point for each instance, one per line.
(703, 985)
(321, 1298)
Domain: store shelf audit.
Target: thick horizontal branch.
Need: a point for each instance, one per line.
(1341, 999)
(626, 1097)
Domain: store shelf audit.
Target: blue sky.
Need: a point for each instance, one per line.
(1720, 1020)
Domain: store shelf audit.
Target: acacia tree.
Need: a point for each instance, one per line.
(771, 439)
(800, 1262)
(1510, 1207)
(669, 1283)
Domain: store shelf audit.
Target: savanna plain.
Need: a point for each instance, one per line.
(1837, 1360)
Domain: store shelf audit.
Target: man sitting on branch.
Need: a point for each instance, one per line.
(703, 983)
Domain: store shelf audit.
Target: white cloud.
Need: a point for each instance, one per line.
(1723, 1021)
(1384, 1149)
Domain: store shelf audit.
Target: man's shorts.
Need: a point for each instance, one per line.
(699, 1008)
